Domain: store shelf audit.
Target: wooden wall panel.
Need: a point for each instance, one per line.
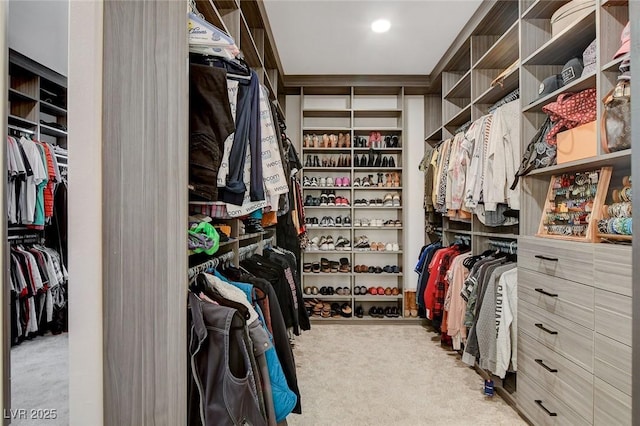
(144, 212)
(5, 371)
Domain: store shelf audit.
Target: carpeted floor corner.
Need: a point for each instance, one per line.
(370, 375)
(40, 379)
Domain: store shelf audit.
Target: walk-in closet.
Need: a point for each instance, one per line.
(269, 212)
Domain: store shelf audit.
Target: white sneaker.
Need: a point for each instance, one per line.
(396, 247)
(323, 182)
(329, 181)
(357, 223)
(389, 247)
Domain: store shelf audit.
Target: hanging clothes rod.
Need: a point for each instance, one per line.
(20, 129)
(510, 247)
(211, 263)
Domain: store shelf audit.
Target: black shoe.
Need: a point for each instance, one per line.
(356, 161)
(363, 160)
(359, 312)
(392, 162)
(316, 161)
(378, 161)
(387, 141)
(308, 163)
(385, 162)
(371, 160)
(308, 201)
(380, 182)
(380, 312)
(395, 142)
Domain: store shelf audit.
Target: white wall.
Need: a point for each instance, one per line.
(413, 185)
(39, 30)
(85, 213)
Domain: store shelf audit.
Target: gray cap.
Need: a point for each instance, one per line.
(549, 85)
(572, 70)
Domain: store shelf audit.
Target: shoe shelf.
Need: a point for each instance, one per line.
(377, 298)
(620, 159)
(373, 274)
(379, 188)
(365, 110)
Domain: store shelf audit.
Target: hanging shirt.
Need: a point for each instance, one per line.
(40, 175)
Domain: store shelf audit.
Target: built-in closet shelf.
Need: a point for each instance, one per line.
(15, 95)
(377, 252)
(460, 118)
(321, 297)
(328, 169)
(615, 159)
(376, 208)
(543, 9)
(613, 65)
(327, 274)
(436, 135)
(327, 113)
(52, 109)
(496, 235)
(251, 236)
(324, 187)
(586, 82)
(377, 298)
(567, 44)
(385, 150)
(499, 91)
(326, 129)
(377, 129)
(503, 53)
(379, 188)
(607, 3)
(330, 150)
(387, 228)
(377, 169)
(458, 231)
(51, 131)
(336, 252)
(23, 122)
(462, 88)
(368, 275)
(376, 113)
(327, 228)
(343, 207)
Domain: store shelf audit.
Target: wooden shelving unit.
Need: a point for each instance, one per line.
(356, 111)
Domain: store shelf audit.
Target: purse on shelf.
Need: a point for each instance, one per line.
(571, 110)
(616, 118)
(539, 153)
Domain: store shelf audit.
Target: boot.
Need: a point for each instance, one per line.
(380, 183)
(308, 163)
(413, 305)
(407, 304)
(316, 161)
(378, 161)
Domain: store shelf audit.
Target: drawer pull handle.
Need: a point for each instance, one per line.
(545, 329)
(546, 293)
(546, 367)
(551, 413)
(551, 259)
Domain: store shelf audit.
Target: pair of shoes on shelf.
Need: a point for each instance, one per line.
(312, 161)
(392, 141)
(391, 200)
(391, 269)
(379, 312)
(343, 291)
(342, 181)
(311, 290)
(359, 142)
(312, 182)
(362, 243)
(392, 223)
(360, 290)
(388, 291)
(392, 180)
(410, 304)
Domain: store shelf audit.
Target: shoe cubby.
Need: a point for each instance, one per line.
(358, 123)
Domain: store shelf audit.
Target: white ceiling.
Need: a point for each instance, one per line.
(334, 37)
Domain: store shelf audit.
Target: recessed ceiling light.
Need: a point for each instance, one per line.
(380, 26)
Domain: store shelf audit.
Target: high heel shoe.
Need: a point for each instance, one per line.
(340, 140)
(308, 163)
(325, 141)
(316, 161)
(333, 141)
(396, 179)
(325, 162)
(387, 141)
(314, 141)
(395, 141)
(380, 179)
(388, 180)
(347, 140)
(306, 141)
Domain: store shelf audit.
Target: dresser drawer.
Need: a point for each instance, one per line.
(569, 383)
(612, 268)
(613, 316)
(613, 363)
(565, 337)
(567, 299)
(612, 407)
(542, 408)
(562, 259)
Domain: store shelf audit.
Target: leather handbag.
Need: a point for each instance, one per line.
(616, 118)
(571, 110)
(539, 153)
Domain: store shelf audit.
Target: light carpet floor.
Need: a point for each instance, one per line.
(40, 378)
(385, 375)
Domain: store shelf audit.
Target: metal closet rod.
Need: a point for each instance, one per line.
(243, 253)
(508, 246)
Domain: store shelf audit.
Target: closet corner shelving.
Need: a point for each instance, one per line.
(356, 111)
(522, 31)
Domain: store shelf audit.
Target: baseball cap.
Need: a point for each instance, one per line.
(589, 58)
(572, 70)
(550, 85)
(625, 39)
